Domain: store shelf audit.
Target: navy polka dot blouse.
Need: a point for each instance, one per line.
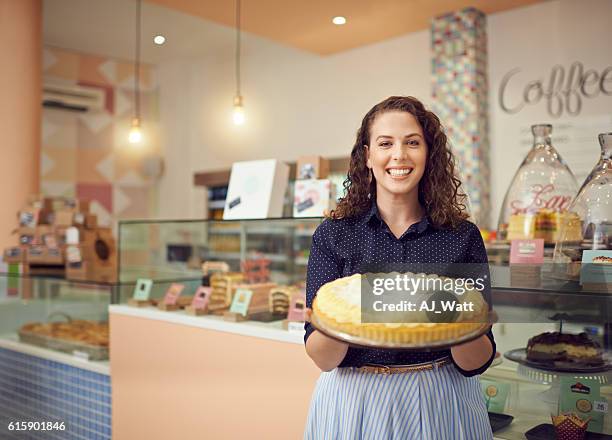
(341, 247)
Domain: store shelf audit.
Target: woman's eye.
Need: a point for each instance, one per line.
(385, 144)
(414, 143)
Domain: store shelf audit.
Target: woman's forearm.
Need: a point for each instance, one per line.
(473, 354)
(326, 352)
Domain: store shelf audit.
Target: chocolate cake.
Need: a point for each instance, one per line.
(564, 347)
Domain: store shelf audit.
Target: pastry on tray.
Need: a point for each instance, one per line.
(80, 331)
(337, 311)
(552, 347)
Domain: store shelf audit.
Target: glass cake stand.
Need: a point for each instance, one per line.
(551, 375)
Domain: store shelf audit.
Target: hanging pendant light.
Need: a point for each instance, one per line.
(135, 136)
(238, 114)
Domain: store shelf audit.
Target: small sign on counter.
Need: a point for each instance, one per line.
(199, 304)
(142, 293)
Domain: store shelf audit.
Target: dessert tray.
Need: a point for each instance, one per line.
(81, 348)
(519, 355)
(425, 346)
(91, 352)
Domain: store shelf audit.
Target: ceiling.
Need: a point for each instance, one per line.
(307, 24)
(196, 28)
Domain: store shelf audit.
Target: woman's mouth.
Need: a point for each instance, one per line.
(399, 172)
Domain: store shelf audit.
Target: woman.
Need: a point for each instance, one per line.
(403, 204)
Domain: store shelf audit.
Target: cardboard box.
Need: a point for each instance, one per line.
(312, 167)
(77, 205)
(44, 255)
(43, 230)
(26, 235)
(91, 221)
(15, 254)
(28, 217)
(79, 219)
(41, 202)
(256, 190)
(64, 217)
(313, 198)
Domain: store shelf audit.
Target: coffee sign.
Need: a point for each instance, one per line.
(562, 90)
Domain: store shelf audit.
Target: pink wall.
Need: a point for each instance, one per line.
(20, 108)
(172, 381)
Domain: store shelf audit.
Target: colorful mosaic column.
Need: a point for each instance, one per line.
(460, 92)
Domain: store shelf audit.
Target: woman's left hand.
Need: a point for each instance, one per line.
(474, 354)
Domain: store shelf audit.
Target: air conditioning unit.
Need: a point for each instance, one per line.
(72, 97)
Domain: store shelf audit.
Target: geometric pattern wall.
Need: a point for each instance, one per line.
(86, 154)
(460, 95)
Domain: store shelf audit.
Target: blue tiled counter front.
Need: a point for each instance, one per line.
(34, 389)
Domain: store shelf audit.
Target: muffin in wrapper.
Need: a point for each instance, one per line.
(570, 427)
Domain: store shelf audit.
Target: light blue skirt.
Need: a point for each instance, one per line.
(437, 404)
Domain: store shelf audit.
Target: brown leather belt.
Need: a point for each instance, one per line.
(399, 369)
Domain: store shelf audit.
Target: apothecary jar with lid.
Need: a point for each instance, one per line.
(541, 191)
(590, 226)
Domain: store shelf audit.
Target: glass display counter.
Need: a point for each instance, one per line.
(54, 351)
(528, 301)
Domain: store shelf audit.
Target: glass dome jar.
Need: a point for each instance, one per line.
(591, 224)
(541, 191)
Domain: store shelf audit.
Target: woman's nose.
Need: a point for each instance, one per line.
(399, 153)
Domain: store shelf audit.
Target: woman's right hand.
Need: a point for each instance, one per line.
(326, 352)
(307, 314)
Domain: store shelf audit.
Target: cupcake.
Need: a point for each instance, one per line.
(570, 427)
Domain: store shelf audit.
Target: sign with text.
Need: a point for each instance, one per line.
(297, 308)
(527, 251)
(142, 291)
(201, 298)
(562, 90)
(241, 301)
(172, 294)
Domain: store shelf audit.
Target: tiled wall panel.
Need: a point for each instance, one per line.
(460, 92)
(40, 390)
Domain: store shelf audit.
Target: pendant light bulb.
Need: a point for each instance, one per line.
(135, 136)
(238, 115)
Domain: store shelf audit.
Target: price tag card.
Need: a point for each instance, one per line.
(295, 327)
(527, 251)
(495, 394)
(241, 301)
(142, 291)
(201, 298)
(297, 308)
(172, 294)
(600, 406)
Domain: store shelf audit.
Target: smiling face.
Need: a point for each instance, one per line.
(397, 154)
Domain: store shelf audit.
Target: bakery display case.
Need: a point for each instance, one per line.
(63, 315)
(273, 251)
(549, 331)
(54, 351)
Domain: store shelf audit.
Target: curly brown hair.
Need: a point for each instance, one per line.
(440, 190)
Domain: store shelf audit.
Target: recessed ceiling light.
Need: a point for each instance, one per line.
(339, 20)
(159, 39)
